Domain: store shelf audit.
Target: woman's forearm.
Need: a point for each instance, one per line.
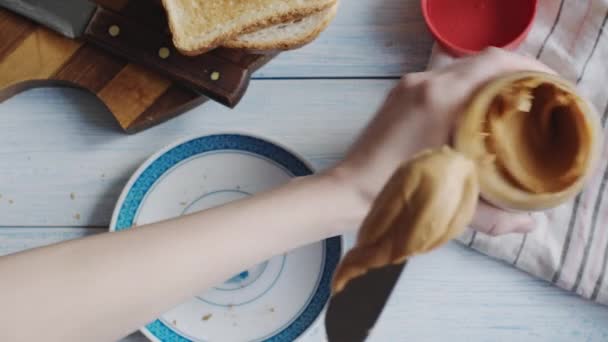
(103, 287)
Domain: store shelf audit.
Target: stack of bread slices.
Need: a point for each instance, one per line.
(201, 25)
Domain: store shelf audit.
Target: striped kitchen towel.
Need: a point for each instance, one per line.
(570, 244)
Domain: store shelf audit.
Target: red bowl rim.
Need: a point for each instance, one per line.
(464, 51)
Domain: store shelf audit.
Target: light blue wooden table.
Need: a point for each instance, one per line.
(63, 163)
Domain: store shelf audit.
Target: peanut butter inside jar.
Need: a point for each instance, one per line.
(534, 140)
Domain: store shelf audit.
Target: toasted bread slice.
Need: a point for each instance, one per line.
(200, 25)
(286, 36)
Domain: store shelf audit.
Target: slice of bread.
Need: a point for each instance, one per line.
(286, 36)
(200, 25)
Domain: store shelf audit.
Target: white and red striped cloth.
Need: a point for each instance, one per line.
(570, 245)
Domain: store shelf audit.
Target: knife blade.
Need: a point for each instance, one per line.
(428, 201)
(68, 17)
(353, 312)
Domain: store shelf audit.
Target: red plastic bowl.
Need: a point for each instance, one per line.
(465, 27)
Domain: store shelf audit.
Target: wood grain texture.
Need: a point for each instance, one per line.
(58, 141)
(359, 43)
(77, 149)
(141, 44)
(91, 68)
(14, 30)
(49, 150)
(452, 295)
(115, 5)
(32, 56)
(368, 38)
(143, 85)
(172, 102)
(45, 53)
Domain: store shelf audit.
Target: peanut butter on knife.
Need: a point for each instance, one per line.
(427, 202)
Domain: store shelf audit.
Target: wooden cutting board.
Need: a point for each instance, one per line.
(136, 79)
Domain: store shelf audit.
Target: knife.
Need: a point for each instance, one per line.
(353, 312)
(428, 201)
(207, 74)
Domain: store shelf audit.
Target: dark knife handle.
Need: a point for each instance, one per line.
(207, 74)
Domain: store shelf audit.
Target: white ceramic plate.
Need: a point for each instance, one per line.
(278, 300)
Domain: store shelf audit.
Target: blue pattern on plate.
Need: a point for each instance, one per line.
(135, 196)
(239, 278)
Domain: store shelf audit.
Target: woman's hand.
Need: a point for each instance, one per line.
(420, 113)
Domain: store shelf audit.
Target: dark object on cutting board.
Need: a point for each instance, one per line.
(123, 55)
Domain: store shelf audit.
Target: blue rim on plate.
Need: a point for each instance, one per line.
(156, 167)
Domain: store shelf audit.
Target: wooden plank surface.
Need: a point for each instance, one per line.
(137, 95)
(64, 161)
(57, 142)
(73, 149)
(368, 38)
